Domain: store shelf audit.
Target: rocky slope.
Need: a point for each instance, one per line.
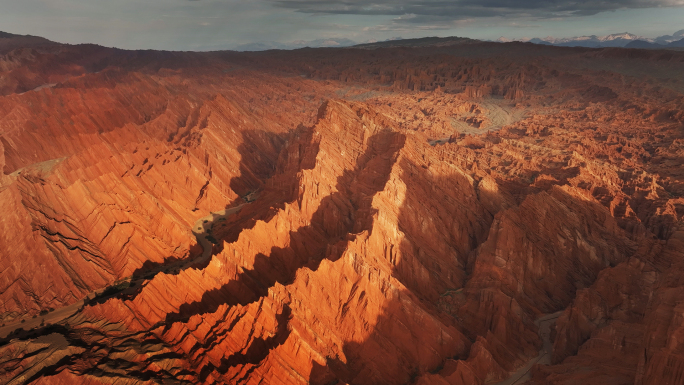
(413, 211)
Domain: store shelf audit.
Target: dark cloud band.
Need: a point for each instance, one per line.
(463, 9)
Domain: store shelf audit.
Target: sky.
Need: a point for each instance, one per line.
(201, 25)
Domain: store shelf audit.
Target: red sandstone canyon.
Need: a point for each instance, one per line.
(442, 211)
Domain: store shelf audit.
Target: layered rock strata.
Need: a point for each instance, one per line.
(410, 229)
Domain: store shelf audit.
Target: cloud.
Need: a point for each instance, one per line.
(441, 11)
(224, 24)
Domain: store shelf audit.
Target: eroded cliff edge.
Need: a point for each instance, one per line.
(370, 255)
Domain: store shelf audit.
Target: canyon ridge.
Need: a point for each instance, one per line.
(429, 211)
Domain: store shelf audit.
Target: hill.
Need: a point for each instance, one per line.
(430, 211)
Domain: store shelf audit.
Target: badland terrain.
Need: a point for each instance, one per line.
(435, 211)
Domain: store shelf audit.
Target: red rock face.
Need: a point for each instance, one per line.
(413, 212)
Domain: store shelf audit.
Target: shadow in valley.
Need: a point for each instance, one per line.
(251, 180)
(335, 222)
(442, 222)
(332, 225)
(97, 348)
(445, 223)
(259, 156)
(257, 351)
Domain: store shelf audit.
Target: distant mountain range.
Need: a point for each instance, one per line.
(647, 44)
(624, 39)
(263, 46)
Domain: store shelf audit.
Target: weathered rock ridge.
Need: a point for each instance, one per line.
(413, 212)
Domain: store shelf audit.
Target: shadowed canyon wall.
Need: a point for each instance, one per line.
(413, 211)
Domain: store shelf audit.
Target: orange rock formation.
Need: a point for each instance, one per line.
(413, 211)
